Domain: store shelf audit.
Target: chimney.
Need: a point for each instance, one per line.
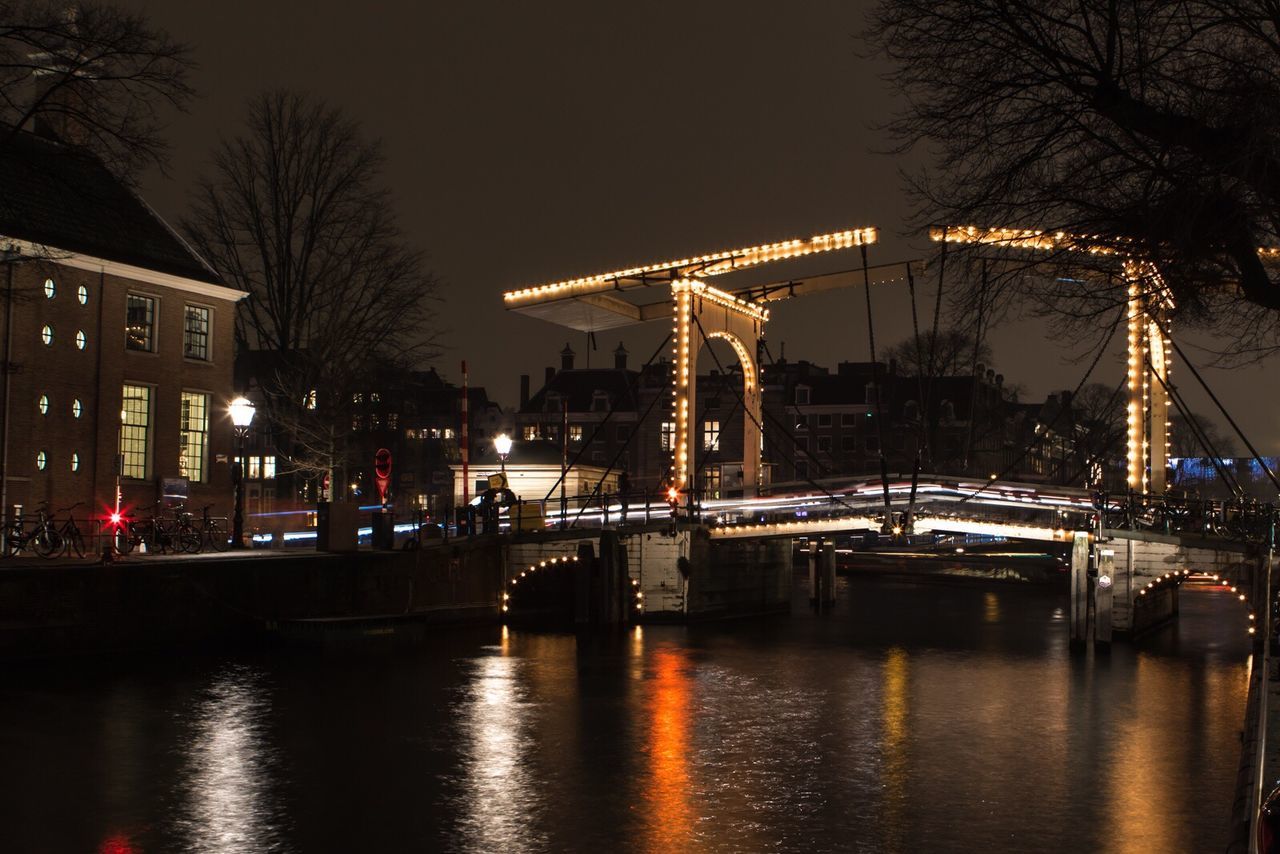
(566, 358)
(620, 357)
(524, 390)
(548, 376)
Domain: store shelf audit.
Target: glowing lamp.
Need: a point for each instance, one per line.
(502, 444)
(241, 411)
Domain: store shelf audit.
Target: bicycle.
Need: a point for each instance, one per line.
(212, 531)
(43, 538)
(72, 539)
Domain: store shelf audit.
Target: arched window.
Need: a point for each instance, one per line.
(49, 288)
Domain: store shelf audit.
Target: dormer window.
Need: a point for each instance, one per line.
(599, 401)
(552, 403)
(802, 395)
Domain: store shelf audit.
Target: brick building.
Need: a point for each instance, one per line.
(118, 339)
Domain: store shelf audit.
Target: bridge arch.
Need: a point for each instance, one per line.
(701, 313)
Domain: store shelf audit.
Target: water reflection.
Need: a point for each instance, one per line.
(894, 768)
(229, 768)
(500, 799)
(666, 793)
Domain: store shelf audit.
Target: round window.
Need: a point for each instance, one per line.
(82, 294)
(42, 460)
(76, 408)
(80, 339)
(43, 403)
(46, 335)
(49, 288)
(75, 461)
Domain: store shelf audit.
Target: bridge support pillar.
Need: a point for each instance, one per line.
(1079, 590)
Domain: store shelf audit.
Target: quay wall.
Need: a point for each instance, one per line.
(181, 603)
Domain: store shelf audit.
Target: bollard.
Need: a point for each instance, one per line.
(1102, 596)
(1079, 591)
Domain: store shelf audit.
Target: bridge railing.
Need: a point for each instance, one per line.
(1244, 519)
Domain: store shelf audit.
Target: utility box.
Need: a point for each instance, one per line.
(337, 524)
(384, 531)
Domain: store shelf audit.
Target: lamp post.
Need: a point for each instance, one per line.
(241, 410)
(502, 444)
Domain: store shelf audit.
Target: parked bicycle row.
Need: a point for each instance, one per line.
(49, 534)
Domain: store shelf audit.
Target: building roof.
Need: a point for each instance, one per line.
(579, 385)
(66, 199)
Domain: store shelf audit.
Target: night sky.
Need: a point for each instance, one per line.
(533, 142)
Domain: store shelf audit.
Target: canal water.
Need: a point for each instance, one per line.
(916, 717)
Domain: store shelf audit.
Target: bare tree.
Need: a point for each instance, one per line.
(1152, 127)
(952, 355)
(1188, 441)
(294, 214)
(100, 78)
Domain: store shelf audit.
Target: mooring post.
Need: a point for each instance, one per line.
(828, 574)
(814, 579)
(1102, 596)
(1079, 590)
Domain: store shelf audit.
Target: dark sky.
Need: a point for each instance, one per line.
(533, 142)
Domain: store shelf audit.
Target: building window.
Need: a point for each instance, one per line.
(309, 399)
(824, 443)
(75, 461)
(668, 435)
(575, 432)
(849, 419)
(599, 402)
(597, 456)
(193, 438)
(711, 435)
(81, 340)
(848, 443)
(46, 335)
(135, 431)
(448, 432)
(393, 420)
(42, 460)
(140, 323)
(49, 288)
(195, 333)
(43, 404)
(529, 432)
(824, 420)
(802, 422)
(358, 397)
(375, 397)
(802, 396)
(410, 433)
(77, 408)
(357, 423)
(255, 468)
(82, 294)
(268, 468)
(711, 482)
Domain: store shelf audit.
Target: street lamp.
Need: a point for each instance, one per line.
(241, 410)
(502, 444)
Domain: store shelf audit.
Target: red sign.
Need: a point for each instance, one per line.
(382, 463)
(382, 472)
